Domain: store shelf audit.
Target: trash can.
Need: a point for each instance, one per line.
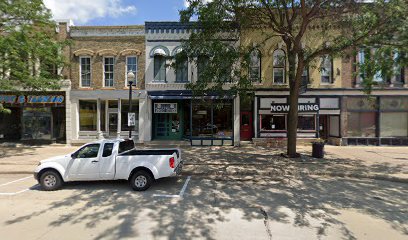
(318, 149)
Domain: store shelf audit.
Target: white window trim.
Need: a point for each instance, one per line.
(284, 76)
(80, 71)
(103, 67)
(276, 67)
(137, 70)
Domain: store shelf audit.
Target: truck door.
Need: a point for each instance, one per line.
(85, 164)
(107, 162)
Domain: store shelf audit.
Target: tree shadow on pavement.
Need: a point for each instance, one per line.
(222, 195)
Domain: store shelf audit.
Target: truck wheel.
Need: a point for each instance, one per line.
(50, 180)
(140, 180)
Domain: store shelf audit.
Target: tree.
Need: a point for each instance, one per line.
(341, 25)
(29, 47)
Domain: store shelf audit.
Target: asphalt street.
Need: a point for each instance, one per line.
(310, 208)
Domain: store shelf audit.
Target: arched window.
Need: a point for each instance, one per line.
(326, 69)
(255, 66)
(202, 63)
(159, 68)
(181, 66)
(279, 63)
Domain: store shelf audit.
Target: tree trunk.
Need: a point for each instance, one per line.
(295, 75)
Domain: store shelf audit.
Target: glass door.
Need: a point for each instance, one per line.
(113, 124)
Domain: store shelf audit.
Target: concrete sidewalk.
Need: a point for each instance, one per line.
(249, 162)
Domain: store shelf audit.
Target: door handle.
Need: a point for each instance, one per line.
(94, 161)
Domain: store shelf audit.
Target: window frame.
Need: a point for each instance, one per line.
(154, 68)
(278, 131)
(80, 71)
(186, 69)
(127, 70)
(331, 75)
(104, 71)
(259, 67)
(283, 68)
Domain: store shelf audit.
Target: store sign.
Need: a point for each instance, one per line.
(302, 107)
(165, 108)
(131, 119)
(31, 99)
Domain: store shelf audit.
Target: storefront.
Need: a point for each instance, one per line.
(376, 120)
(103, 114)
(177, 116)
(319, 117)
(34, 116)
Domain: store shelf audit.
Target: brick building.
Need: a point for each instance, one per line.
(100, 59)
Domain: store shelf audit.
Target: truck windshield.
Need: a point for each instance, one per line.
(126, 145)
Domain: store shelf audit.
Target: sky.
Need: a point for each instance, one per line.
(115, 12)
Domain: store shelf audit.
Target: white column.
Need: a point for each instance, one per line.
(255, 121)
(142, 119)
(119, 119)
(68, 117)
(98, 118)
(237, 124)
(147, 121)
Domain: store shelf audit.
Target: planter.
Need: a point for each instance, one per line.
(318, 150)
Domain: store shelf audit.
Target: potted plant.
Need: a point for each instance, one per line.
(318, 148)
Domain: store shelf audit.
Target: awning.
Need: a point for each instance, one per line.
(183, 94)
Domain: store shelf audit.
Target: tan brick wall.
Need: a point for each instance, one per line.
(117, 44)
(347, 63)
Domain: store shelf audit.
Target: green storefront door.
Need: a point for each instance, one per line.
(168, 126)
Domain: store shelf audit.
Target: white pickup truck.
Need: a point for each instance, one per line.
(109, 160)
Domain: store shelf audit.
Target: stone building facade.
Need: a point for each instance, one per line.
(100, 59)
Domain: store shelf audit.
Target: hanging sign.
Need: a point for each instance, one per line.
(165, 108)
(302, 107)
(131, 119)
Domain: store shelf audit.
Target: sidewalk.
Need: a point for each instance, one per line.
(249, 162)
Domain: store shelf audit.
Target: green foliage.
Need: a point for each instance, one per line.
(29, 47)
(337, 26)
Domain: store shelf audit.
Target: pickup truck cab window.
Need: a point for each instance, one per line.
(89, 151)
(107, 149)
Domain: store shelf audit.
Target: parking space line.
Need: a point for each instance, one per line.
(185, 186)
(18, 180)
(180, 195)
(18, 192)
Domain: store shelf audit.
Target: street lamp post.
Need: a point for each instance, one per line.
(130, 77)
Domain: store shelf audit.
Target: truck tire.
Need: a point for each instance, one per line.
(50, 180)
(140, 180)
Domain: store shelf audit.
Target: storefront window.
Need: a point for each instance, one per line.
(87, 115)
(334, 126)
(360, 103)
(361, 124)
(202, 126)
(306, 123)
(394, 124)
(37, 123)
(273, 122)
(223, 120)
(125, 110)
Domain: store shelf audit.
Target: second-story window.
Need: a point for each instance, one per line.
(202, 63)
(159, 68)
(279, 60)
(131, 66)
(85, 71)
(255, 66)
(182, 71)
(305, 76)
(326, 69)
(108, 65)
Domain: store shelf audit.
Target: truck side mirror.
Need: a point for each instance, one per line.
(73, 155)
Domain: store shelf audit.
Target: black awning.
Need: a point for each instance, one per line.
(183, 94)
